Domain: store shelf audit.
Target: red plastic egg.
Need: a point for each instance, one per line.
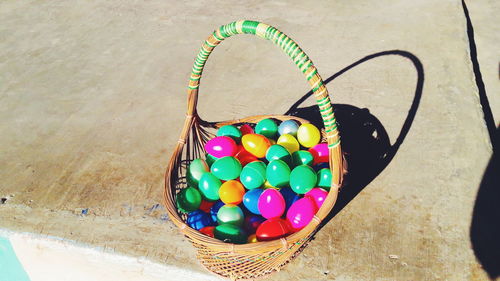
(221, 146)
(272, 229)
(246, 129)
(244, 156)
(206, 205)
(208, 230)
(320, 153)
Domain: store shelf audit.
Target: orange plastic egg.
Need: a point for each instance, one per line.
(256, 144)
(231, 192)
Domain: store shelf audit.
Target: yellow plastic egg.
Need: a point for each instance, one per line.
(289, 142)
(256, 144)
(308, 135)
(252, 238)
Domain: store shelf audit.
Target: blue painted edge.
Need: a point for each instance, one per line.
(10, 267)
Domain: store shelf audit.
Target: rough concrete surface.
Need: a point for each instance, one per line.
(92, 99)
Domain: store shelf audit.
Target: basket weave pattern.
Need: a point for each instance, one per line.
(254, 260)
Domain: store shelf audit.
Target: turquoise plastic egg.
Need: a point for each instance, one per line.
(278, 173)
(302, 157)
(302, 179)
(230, 214)
(308, 135)
(288, 127)
(188, 200)
(226, 168)
(324, 179)
(209, 187)
(198, 219)
(277, 151)
(209, 159)
(267, 128)
(230, 233)
(230, 131)
(253, 175)
(195, 170)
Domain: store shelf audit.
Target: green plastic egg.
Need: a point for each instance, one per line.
(278, 173)
(230, 214)
(302, 179)
(197, 168)
(209, 186)
(188, 200)
(226, 168)
(267, 128)
(230, 131)
(230, 233)
(277, 151)
(324, 178)
(302, 157)
(253, 175)
(210, 159)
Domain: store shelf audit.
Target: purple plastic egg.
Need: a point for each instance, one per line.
(301, 213)
(318, 195)
(271, 203)
(221, 146)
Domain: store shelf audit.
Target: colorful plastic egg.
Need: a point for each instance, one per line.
(251, 200)
(277, 151)
(231, 192)
(271, 204)
(226, 168)
(230, 131)
(302, 157)
(318, 195)
(195, 170)
(289, 142)
(208, 231)
(205, 205)
(215, 209)
(209, 186)
(230, 233)
(278, 173)
(290, 197)
(256, 144)
(301, 213)
(230, 214)
(188, 200)
(272, 229)
(324, 179)
(272, 141)
(302, 179)
(253, 175)
(288, 127)
(267, 127)
(244, 156)
(221, 147)
(252, 238)
(246, 129)
(308, 135)
(209, 159)
(198, 219)
(320, 153)
(252, 222)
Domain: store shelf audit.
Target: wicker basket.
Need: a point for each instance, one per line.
(248, 261)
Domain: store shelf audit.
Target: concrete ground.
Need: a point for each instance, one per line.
(92, 99)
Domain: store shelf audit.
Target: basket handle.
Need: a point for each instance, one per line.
(289, 47)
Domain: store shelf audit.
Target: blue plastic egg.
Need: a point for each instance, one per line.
(215, 209)
(199, 219)
(288, 127)
(290, 196)
(250, 200)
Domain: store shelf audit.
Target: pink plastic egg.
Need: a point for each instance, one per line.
(221, 146)
(301, 213)
(318, 195)
(271, 203)
(320, 153)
